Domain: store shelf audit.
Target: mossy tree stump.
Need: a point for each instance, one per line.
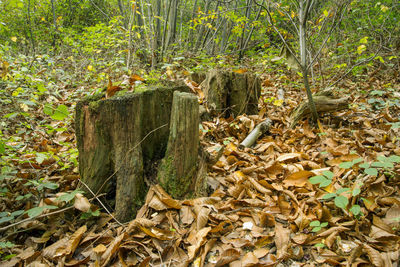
(231, 92)
(177, 173)
(117, 140)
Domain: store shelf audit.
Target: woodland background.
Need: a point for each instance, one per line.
(332, 189)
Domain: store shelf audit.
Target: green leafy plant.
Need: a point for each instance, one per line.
(342, 201)
(383, 164)
(59, 113)
(317, 225)
(90, 214)
(323, 180)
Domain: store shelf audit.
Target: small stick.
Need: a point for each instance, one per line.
(256, 133)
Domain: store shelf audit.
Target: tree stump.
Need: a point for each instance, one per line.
(178, 169)
(231, 92)
(118, 139)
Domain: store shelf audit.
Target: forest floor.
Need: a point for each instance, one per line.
(263, 208)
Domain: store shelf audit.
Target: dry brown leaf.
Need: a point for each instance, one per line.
(202, 217)
(199, 240)
(75, 239)
(186, 215)
(282, 240)
(57, 249)
(298, 179)
(392, 217)
(228, 256)
(81, 203)
(288, 156)
(249, 259)
(155, 203)
(99, 249)
(373, 255)
(112, 248)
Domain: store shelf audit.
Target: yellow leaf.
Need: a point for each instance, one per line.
(90, 68)
(278, 103)
(14, 39)
(240, 71)
(326, 13)
(384, 8)
(43, 19)
(361, 49)
(364, 40)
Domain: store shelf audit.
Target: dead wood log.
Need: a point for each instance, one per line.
(178, 168)
(231, 92)
(118, 139)
(256, 133)
(323, 103)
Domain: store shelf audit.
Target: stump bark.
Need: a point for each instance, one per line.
(178, 169)
(117, 139)
(231, 92)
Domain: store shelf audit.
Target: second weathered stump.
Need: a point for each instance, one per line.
(231, 93)
(178, 169)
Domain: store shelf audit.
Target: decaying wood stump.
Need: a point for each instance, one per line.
(324, 102)
(118, 137)
(178, 168)
(231, 92)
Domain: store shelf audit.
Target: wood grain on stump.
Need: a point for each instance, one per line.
(231, 93)
(178, 169)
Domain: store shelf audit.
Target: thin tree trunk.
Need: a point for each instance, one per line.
(303, 13)
(55, 34)
(30, 28)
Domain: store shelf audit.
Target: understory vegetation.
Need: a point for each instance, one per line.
(325, 192)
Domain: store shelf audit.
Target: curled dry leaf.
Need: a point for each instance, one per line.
(81, 203)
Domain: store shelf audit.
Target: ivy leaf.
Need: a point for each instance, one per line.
(394, 159)
(356, 191)
(315, 223)
(325, 183)
(48, 109)
(355, 209)
(316, 229)
(317, 179)
(60, 113)
(328, 174)
(364, 165)
(67, 197)
(346, 165)
(6, 219)
(341, 202)
(328, 196)
(39, 210)
(324, 224)
(342, 190)
(50, 185)
(371, 171)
